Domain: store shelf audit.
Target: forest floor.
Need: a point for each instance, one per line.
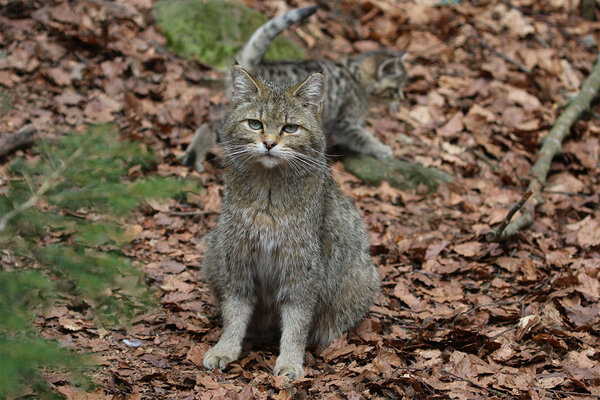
(457, 317)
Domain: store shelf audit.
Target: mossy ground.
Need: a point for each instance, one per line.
(5, 103)
(214, 31)
(5, 100)
(400, 174)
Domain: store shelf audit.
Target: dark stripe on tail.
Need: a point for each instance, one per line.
(254, 51)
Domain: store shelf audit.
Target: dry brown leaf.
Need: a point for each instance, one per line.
(468, 249)
(588, 231)
(63, 13)
(565, 182)
(514, 21)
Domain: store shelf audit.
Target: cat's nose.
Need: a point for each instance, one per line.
(269, 144)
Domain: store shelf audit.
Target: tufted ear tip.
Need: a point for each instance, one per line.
(312, 90)
(244, 86)
(237, 69)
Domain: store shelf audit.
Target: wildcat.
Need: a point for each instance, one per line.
(290, 252)
(352, 83)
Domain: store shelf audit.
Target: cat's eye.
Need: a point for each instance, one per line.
(290, 128)
(255, 124)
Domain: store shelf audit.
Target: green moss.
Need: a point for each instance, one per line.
(214, 31)
(5, 103)
(400, 174)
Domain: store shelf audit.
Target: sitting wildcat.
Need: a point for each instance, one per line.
(290, 252)
(352, 82)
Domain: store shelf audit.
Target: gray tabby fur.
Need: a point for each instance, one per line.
(290, 253)
(254, 51)
(352, 83)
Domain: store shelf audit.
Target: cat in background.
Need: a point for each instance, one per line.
(290, 252)
(352, 83)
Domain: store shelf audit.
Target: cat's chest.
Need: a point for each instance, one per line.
(271, 227)
(270, 240)
(265, 229)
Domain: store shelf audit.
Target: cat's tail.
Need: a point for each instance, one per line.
(253, 52)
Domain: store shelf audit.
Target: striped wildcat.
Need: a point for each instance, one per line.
(353, 82)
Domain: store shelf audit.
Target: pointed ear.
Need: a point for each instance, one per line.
(387, 68)
(245, 87)
(311, 91)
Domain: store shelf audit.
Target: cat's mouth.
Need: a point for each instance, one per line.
(269, 159)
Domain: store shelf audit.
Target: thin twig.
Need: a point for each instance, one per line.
(479, 154)
(477, 307)
(510, 328)
(83, 58)
(569, 393)
(497, 233)
(497, 392)
(190, 213)
(396, 319)
(500, 54)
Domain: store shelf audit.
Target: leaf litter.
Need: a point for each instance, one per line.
(457, 317)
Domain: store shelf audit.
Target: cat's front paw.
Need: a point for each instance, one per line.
(292, 371)
(218, 358)
(383, 151)
(191, 159)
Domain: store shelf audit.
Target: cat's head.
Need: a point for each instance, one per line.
(274, 125)
(381, 73)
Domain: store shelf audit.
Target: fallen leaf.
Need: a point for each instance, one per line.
(453, 126)
(468, 249)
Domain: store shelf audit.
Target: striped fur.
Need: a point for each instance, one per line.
(352, 83)
(289, 256)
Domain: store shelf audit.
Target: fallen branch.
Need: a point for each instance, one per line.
(496, 233)
(552, 145)
(24, 137)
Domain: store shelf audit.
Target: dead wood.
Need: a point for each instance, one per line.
(498, 231)
(552, 145)
(24, 137)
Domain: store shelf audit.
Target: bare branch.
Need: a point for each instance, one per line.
(497, 233)
(552, 145)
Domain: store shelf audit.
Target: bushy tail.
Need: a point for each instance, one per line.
(253, 52)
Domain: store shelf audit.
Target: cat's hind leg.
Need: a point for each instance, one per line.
(360, 140)
(348, 304)
(206, 136)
